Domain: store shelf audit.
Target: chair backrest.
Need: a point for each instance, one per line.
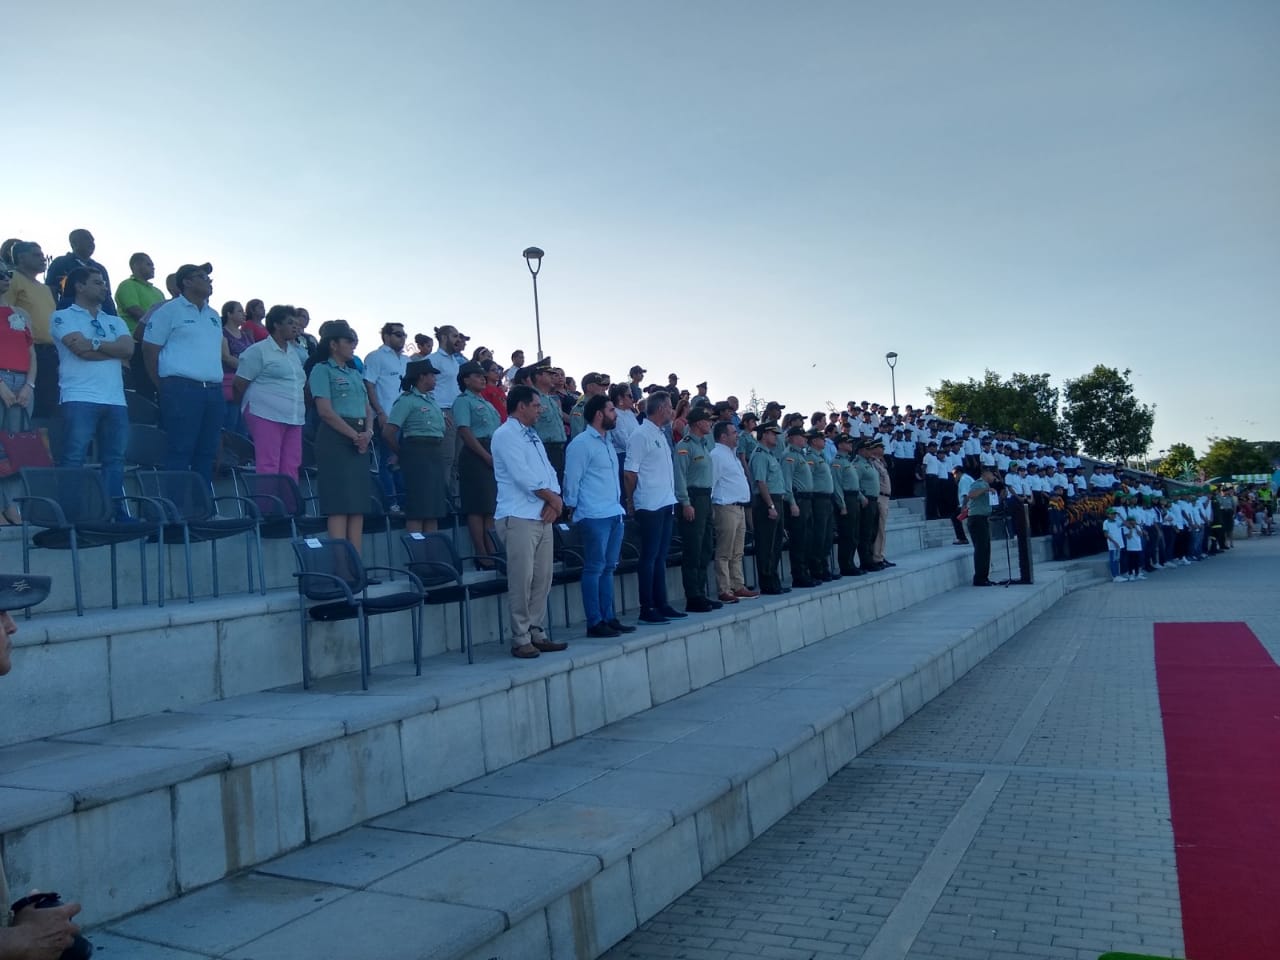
(185, 489)
(432, 558)
(237, 451)
(335, 557)
(141, 410)
(147, 446)
(568, 545)
(79, 491)
(265, 489)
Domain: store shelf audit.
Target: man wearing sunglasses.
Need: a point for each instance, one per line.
(91, 347)
(32, 933)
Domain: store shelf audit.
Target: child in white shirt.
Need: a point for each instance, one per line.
(1113, 530)
(1133, 549)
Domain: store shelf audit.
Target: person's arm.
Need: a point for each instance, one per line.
(229, 361)
(238, 386)
(471, 443)
(391, 436)
(39, 934)
(575, 463)
(371, 391)
(151, 358)
(128, 305)
(629, 480)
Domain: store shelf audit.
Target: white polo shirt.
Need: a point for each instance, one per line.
(384, 368)
(88, 381)
(649, 458)
(190, 340)
(276, 382)
(729, 481)
(447, 389)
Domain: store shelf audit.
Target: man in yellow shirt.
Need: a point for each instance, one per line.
(33, 298)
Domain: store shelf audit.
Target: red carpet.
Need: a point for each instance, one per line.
(1220, 702)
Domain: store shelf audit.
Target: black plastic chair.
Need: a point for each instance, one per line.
(237, 452)
(379, 518)
(628, 558)
(141, 410)
(73, 512)
(193, 517)
(147, 447)
(570, 560)
(282, 509)
(433, 559)
(332, 578)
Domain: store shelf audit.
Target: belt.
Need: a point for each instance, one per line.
(884, 496)
(706, 490)
(803, 496)
(199, 383)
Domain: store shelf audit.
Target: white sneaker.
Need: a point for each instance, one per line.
(1142, 576)
(1159, 566)
(1117, 580)
(1186, 562)
(1131, 578)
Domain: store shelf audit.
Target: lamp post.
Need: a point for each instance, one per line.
(533, 260)
(891, 359)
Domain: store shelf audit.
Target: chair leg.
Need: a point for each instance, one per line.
(75, 573)
(26, 556)
(306, 647)
(365, 667)
(213, 556)
(502, 639)
(161, 561)
(419, 612)
(466, 616)
(262, 569)
(115, 599)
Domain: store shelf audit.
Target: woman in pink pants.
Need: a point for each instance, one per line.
(269, 387)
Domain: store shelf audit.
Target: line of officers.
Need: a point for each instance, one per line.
(793, 487)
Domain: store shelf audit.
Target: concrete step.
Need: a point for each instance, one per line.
(177, 798)
(563, 853)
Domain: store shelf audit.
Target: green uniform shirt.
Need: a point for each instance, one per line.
(868, 477)
(577, 418)
(476, 413)
(796, 470)
(765, 466)
(822, 480)
(691, 462)
(417, 415)
(979, 506)
(136, 293)
(549, 426)
(747, 445)
(341, 386)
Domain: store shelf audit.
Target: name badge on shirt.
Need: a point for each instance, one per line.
(18, 322)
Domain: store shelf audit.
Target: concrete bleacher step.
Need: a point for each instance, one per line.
(562, 853)
(194, 725)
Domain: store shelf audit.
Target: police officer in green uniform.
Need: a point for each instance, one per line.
(592, 384)
(822, 531)
(769, 499)
(747, 443)
(415, 431)
(549, 426)
(799, 479)
(869, 487)
(848, 522)
(693, 475)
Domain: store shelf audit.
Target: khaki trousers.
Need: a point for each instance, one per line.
(882, 517)
(731, 530)
(530, 555)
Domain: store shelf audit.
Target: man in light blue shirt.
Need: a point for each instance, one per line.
(448, 360)
(593, 492)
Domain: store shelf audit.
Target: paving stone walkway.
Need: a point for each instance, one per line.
(1023, 813)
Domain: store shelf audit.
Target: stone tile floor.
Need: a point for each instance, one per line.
(1023, 813)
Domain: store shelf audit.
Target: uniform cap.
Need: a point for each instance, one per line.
(795, 432)
(769, 426)
(416, 368)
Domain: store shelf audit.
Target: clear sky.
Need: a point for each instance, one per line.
(765, 195)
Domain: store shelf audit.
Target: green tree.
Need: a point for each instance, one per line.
(1178, 462)
(1228, 455)
(1102, 413)
(1025, 404)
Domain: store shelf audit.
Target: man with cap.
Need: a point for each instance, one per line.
(771, 498)
(593, 385)
(978, 501)
(798, 477)
(635, 375)
(33, 933)
(822, 528)
(693, 479)
(845, 479)
(550, 423)
(747, 442)
(447, 360)
(876, 449)
(182, 347)
(869, 487)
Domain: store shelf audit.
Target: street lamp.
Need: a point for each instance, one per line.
(891, 359)
(533, 260)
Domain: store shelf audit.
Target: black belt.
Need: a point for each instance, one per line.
(706, 490)
(803, 496)
(201, 383)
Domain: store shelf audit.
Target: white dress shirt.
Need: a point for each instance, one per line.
(729, 481)
(384, 368)
(520, 466)
(649, 458)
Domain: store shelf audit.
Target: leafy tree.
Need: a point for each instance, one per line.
(1228, 455)
(1103, 414)
(1025, 404)
(1178, 462)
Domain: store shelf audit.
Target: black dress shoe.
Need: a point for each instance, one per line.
(698, 605)
(888, 563)
(621, 627)
(803, 584)
(653, 616)
(716, 604)
(984, 583)
(671, 613)
(602, 631)
(773, 591)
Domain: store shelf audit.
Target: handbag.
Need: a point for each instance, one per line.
(28, 448)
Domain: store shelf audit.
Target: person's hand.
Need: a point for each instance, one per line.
(7, 396)
(44, 934)
(862, 500)
(687, 512)
(844, 512)
(549, 514)
(795, 510)
(25, 392)
(488, 461)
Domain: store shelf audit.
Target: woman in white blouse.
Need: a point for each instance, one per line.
(269, 387)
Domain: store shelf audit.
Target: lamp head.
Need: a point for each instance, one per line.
(533, 259)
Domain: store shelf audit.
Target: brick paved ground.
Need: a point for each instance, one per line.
(1022, 814)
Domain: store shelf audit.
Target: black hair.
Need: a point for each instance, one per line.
(78, 276)
(519, 394)
(389, 326)
(594, 406)
(228, 307)
(720, 429)
(277, 315)
(136, 257)
(618, 390)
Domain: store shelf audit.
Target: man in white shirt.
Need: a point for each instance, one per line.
(182, 348)
(91, 345)
(383, 370)
(528, 504)
(648, 483)
(624, 408)
(932, 481)
(730, 497)
(517, 361)
(448, 359)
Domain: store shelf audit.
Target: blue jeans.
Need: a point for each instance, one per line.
(390, 481)
(601, 547)
(192, 415)
(80, 422)
(655, 541)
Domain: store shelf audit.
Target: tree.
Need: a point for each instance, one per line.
(1228, 455)
(1178, 462)
(1024, 404)
(1105, 417)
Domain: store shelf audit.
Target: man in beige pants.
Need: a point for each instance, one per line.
(876, 450)
(730, 496)
(528, 504)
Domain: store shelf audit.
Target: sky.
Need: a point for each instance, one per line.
(766, 196)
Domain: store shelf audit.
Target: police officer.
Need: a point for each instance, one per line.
(845, 478)
(798, 477)
(869, 487)
(550, 425)
(769, 500)
(822, 531)
(693, 475)
(592, 384)
(747, 442)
